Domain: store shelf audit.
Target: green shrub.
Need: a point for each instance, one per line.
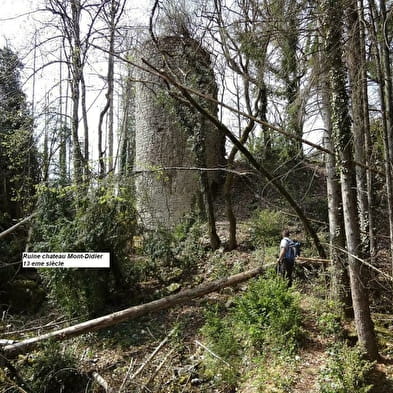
(188, 248)
(346, 371)
(179, 248)
(266, 228)
(11, 249)
(55, 370)
(269, 314)
(329, 320)
(264, 321)
(157, 245)
(223, 358)
(98, 220)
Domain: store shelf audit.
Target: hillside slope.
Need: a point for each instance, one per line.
(167, 351)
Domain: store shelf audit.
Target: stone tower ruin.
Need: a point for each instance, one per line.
(171, 134)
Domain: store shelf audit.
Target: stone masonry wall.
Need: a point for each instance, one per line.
(167, 129)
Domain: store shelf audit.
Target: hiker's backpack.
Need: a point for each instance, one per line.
(293, 250)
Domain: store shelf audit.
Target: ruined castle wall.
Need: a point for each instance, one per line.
(167, 129)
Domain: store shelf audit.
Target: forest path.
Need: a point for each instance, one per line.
(312, 355)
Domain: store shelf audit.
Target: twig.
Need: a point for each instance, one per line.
(127, 374)
(212, 353)
(365, 263)
(13, 385)
(191, 168)
(153, 354)
(22, 385)
(101, 381)
(157, 370)
(317, 260)
(186, 383)
(46, 326)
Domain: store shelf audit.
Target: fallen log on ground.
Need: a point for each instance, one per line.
(12, 350)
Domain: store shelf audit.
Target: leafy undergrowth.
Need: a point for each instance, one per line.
(257, 337)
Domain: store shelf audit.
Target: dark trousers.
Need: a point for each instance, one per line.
(285, 269)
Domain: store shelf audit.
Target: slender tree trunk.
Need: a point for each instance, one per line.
(68, 133)
(340, 281)
(341, 127)
(85, 125)
(111, 80)
(368, 143)
(63, 153)
(108, 106)
(111, 133)
(62, 128)
(77, 156)
(101, 151)
(292, 81)
(232, 243)
(387, 76)
(76, 71)
(355, 68)
(111, 21)
(76, 149)
(45, 155)
(385, 85)
(127, 127)
(207, 197)
(266, 132)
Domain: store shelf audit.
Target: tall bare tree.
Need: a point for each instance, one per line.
(112, 13)
(249, 63)
(76, 45)
(378, 19)
(356, 68)
(333, 17)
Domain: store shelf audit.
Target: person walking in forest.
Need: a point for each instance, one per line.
(286, 258)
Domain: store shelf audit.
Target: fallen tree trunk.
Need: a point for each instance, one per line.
(17, 225)
(12, 350)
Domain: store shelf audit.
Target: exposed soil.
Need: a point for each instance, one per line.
(313, 354)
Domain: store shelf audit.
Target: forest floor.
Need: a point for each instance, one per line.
(162, 352)
(312, 356)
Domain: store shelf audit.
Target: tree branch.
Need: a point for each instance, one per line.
(17, 225)
(259, 167)
(191, 168)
